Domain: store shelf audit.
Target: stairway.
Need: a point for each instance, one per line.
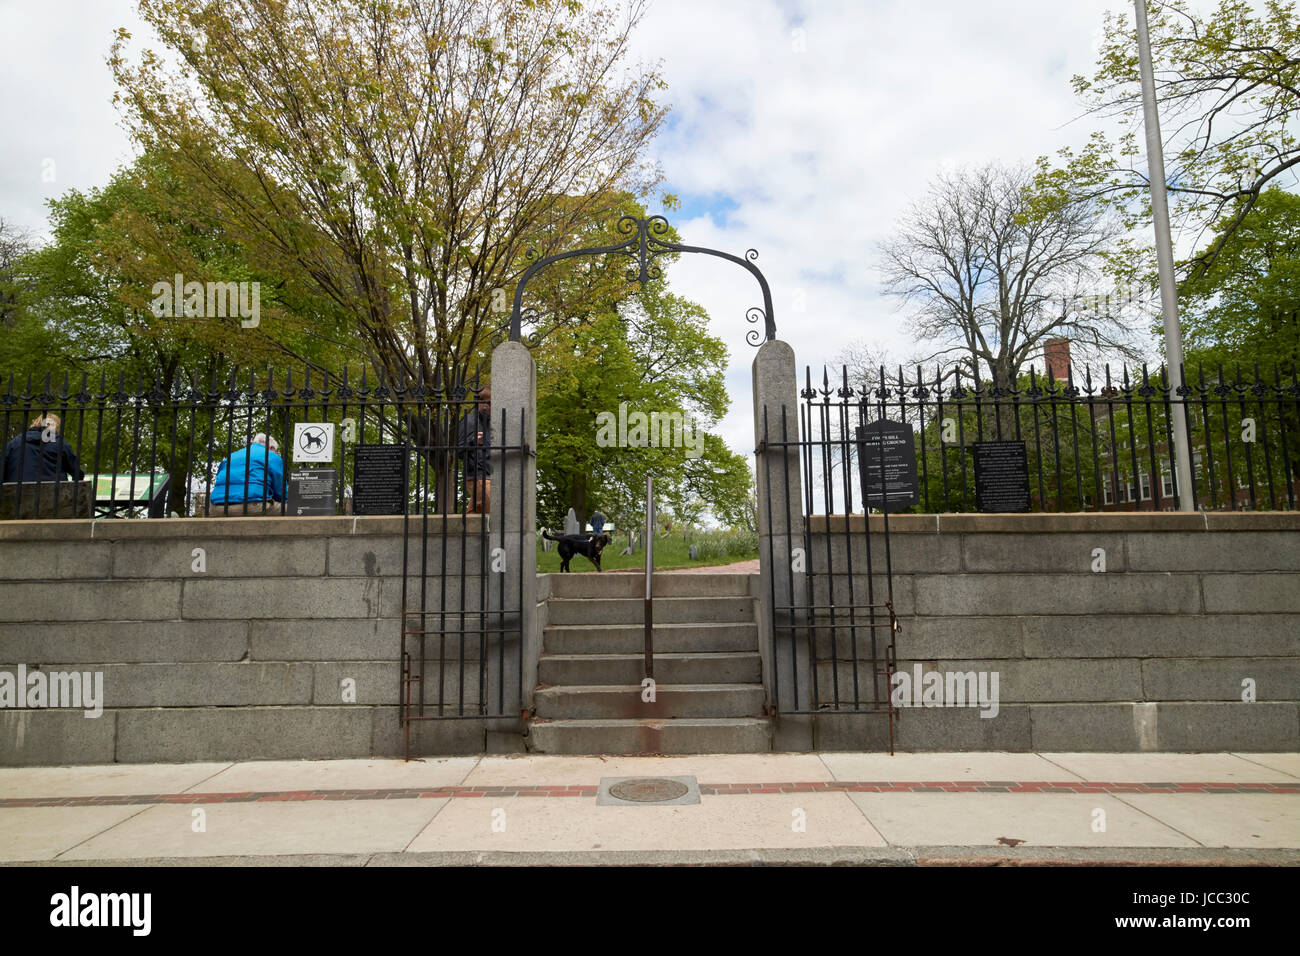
(708, 694)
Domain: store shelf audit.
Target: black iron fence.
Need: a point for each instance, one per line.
(1094, 442)
(148, 449)
(833, 628)
(462, 649)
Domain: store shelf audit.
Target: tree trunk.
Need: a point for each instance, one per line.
(578, 497)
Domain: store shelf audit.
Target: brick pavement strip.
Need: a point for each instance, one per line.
(706, 789)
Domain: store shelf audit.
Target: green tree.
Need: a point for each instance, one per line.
(1245, 308)
(88, 299)
(85, 322)
(397, 157)
(1228, 91)
(652, 353)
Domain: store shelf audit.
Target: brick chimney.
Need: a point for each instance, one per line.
(1056, 353)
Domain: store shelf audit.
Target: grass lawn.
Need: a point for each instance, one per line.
(670, 552)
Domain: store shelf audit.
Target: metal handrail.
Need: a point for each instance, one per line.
(649, 576)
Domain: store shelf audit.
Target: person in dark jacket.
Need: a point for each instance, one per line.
(474, 439)
(597, 523)
(41, 454)
(261, 469)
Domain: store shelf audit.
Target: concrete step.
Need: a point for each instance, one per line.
(677, 610)
(626, 584)
(743, 667)
(648, 736)
(671, 700)
(668, 638)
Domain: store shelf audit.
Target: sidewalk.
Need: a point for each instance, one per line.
(919, 808)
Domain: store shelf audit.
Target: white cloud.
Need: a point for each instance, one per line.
(822, 150)
(818, 151)
(56, 102)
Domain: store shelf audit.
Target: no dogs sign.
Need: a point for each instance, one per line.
(313, 441)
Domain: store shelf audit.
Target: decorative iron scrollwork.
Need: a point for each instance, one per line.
(644, 245)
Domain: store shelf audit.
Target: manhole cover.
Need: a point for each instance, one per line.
(648, 790)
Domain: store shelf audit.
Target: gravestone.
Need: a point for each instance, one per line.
(571, 525)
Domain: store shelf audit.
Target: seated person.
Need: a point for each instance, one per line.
(41, 454)
(263, 468)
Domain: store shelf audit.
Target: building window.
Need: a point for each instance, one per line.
(1106, 494)
(1144, 481)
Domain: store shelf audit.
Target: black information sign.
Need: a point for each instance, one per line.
(1001, 476)
(894, 441)
(312, 491)
(380, 482)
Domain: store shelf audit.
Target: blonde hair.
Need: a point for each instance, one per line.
(49, 420)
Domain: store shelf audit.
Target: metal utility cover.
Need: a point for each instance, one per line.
(647, 791)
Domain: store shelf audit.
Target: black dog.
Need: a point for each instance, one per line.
(589, 546)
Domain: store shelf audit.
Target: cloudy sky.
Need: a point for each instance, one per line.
(802, 130)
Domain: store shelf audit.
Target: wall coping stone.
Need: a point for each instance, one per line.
(117, 529)
(1057, 523)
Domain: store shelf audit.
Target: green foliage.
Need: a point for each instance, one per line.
(671, 551)
(733, 545)
(86, 297)
(1245, 309)
(654, 355)
(395, 161)
(1228, 91)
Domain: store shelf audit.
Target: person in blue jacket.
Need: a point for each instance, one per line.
(263, 468)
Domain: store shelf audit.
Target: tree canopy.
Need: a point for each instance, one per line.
(397, 157)
(1228, 92)
(990, 271)
(1245, 308)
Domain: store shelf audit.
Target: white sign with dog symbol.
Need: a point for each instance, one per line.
(313, 441)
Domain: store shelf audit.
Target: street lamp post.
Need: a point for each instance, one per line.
(1164, 257)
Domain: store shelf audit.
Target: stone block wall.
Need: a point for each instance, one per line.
(242, 655)
(229, 638)
(1155, 652)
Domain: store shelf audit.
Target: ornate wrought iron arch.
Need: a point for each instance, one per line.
(644, 244)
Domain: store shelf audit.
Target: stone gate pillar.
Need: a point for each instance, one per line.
(513, 518)
(783, 640)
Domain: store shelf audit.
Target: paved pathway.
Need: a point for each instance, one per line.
(739, 567)
(832, 807)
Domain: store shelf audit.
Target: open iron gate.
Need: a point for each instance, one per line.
(832, 626)
(462, 632)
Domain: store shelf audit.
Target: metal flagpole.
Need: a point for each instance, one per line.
(1164, 259)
